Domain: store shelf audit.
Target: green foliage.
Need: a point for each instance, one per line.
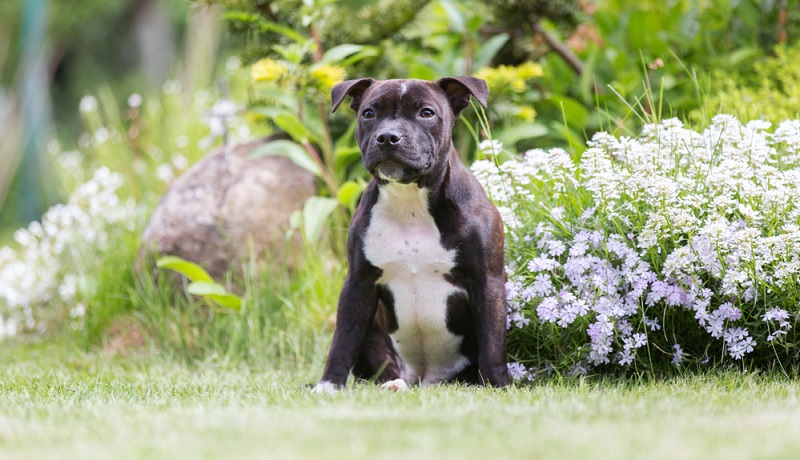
(766, 89)
(201, 284)
(282, 322)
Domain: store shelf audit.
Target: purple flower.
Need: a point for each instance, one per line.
(653, 324)
(776, 314)
(776, 335)
(555, 247)
(542, 285)
(519, 319)
(513, 289)
(517, 371)
(625, 357)
(715, 326)
(541, 264)
(547, 310)
(677, 355)
(578, 249)
(728, 311)
(577, 369)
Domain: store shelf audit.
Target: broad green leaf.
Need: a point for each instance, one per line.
(348, 194)
(292, 126)
(291, 149)
(264, 25)
(217, 293)
(188, 269)
(489, 49)
(344, 156)
(742, 55)
(573, 111)
(276, 96)
(269, 112)
(337, 53)
(315, 213)
(347, 139)
(368, 51)
(454, 16)
(516, 133)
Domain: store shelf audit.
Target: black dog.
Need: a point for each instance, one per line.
(424, 298)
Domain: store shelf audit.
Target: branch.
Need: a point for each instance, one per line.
(560, 48)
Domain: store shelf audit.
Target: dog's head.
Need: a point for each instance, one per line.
(404, 126)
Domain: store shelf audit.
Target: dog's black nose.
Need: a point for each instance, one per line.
(388, 138)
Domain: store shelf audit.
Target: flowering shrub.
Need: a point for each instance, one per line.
(57, 258)
(678, 248)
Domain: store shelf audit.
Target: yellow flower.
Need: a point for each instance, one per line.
(268, 70)
(517, 85)
(526, 113)
(510, 77)
(487, 74)
(529, 70)
(327, 76)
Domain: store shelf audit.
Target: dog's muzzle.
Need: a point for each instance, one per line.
(393, 171)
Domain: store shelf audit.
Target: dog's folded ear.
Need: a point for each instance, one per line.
(459, 90)
(353, 88)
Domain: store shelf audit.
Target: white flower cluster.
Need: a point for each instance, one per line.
(57, 254)
(673, 223)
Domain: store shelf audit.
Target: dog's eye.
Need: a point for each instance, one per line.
(426, 113)
(368, 114)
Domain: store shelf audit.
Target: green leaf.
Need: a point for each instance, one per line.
(254, 19)
(291, 149)
(516, 133)
(456, 19)
(348, 194)
(216, 293)
(188, 269)
(345, 156)
(292, 126)
(368, 51)
(269, 112)
(315, 213)
(337, 53)
(489, 49)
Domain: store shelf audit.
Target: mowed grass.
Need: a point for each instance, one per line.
(60, 404)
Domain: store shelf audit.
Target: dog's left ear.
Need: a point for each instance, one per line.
(459, 90)
(354, 88)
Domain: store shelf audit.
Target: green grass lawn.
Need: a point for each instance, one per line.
(60, 404)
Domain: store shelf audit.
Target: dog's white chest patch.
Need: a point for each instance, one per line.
(403, 241)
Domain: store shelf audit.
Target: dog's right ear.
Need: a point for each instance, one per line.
(353, 88)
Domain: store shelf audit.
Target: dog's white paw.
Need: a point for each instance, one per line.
(395, 385)
(325, 388)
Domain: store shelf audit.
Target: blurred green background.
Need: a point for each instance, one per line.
(596, 61)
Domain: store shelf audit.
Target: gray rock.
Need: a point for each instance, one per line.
(227, 207)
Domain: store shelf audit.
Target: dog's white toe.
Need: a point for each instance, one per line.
(325, 388)
(395, 385)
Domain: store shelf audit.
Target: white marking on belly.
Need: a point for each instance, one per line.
(404, 242)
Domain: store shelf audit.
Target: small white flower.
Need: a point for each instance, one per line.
(164, 172)
(490, 147)
(88, 104)
(134, 100)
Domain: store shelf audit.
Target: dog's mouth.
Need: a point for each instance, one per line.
(394, 171)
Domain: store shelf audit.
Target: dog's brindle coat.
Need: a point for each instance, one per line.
(424, 297)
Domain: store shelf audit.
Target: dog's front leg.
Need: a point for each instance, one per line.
(491, 322)
(357, 304)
